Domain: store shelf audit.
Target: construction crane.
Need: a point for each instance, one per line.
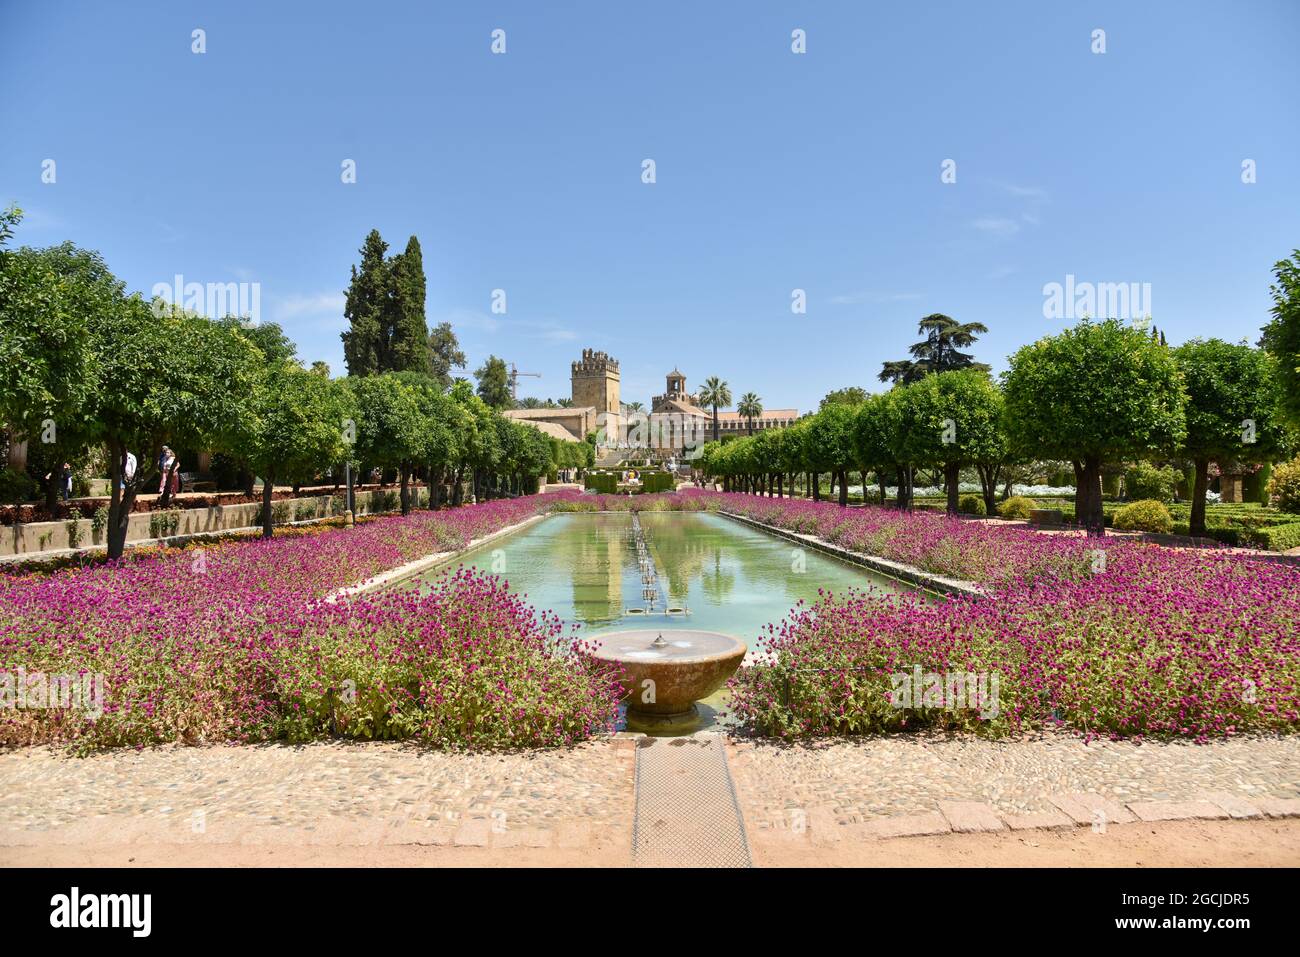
(514, 381)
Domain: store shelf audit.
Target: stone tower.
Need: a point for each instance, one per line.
(595, 382)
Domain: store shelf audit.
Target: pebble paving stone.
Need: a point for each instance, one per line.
(1237, 807)
(908, 825)
(337, 793)
(1084, 808)
(1038, 821)
(1279, 807)
(1177, 810)
(971, 817)
(322, 793)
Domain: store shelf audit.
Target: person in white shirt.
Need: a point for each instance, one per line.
(128, 469)
(165, 463)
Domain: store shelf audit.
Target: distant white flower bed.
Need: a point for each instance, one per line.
(973, 488)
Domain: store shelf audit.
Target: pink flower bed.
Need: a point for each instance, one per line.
(233, 643)
(931, 541)
(1155, 641)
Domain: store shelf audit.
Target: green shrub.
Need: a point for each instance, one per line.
(1018, 506)
(606, 482)
(1274, 538)
(98, 522)
(16, 486)
(1145, 481)
(971, 505)
(1231, 537)
(165, 523)
(1147, 515)
(1262, 478)
(1284, 486)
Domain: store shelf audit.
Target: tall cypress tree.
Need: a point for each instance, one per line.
(365, 343)
(409, 342)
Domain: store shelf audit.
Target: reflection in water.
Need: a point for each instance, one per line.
(732, 578)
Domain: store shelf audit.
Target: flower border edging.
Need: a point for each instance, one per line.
(425, 563)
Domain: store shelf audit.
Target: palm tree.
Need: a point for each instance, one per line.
(751, 407)
(937, 352)
(635, 407)
(716, 393)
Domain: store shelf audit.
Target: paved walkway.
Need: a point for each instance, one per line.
(581, 801)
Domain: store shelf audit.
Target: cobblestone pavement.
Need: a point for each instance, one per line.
(318, 793)
(856, 781)
(582, 798)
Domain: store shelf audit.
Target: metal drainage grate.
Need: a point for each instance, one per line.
(686, 809)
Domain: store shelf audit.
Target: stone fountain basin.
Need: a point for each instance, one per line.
(689, 666)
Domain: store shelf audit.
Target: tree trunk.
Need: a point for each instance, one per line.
(988, 473)
(814, 481)
(52, 492)
(404, 477)
(844, 488)
(458, 489)
(268, 489)
(1087, 497)
(951, 479)
(904, 502)
(119, 502)
(1199, 487)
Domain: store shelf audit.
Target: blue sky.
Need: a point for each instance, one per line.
(775, 171)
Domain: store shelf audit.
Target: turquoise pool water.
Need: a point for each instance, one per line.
(727, 576)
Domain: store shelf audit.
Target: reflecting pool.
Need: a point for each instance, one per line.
(724, 576)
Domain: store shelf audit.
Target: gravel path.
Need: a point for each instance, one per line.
(580, 800)
(318, 793)
(863, 779)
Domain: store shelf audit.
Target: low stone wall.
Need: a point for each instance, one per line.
(37, 538)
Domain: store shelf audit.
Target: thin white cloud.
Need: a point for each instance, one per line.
(469, 319)
(858, 298)
(996, 225)
(1027, 192)
(319, 305)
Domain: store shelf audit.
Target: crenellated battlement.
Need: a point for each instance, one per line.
(594, 363)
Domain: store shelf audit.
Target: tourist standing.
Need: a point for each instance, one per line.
(66, 481)
(128, 469)
(166, 461)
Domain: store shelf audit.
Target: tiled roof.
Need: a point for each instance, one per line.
(552, 429)
(548, 413)
(676, 405)
(767, 414)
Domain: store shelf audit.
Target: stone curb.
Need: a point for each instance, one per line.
(1075, 810)
(423, 564)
